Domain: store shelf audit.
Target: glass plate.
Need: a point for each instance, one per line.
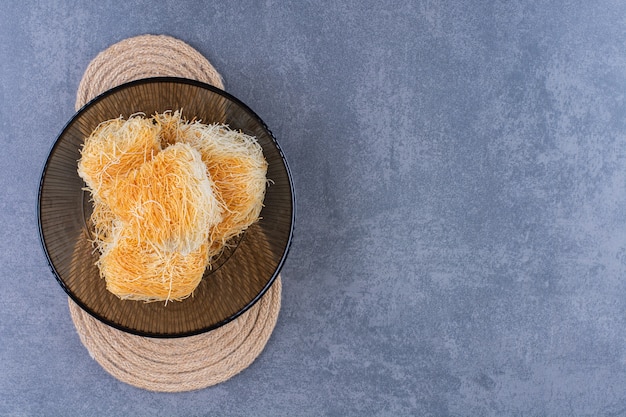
(239, 277)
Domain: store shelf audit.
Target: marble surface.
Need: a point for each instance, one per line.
(460, 170)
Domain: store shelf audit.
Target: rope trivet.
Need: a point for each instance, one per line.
(143, 57)
(187, 363)
(182, 364)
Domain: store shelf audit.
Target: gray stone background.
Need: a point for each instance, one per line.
(460, 170)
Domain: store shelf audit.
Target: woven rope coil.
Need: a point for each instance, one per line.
(181, 364)
(142, 57)
(184, 364)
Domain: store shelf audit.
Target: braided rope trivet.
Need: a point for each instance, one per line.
(187, 363)
(142, 57)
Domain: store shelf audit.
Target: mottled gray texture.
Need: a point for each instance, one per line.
(460, 170)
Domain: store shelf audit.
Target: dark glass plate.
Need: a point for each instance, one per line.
(240, 276)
